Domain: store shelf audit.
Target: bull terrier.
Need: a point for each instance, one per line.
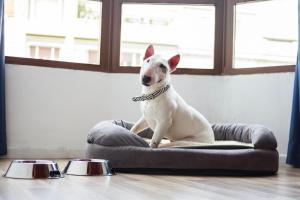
(163, 109)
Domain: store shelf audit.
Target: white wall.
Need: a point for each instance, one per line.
(49, 111)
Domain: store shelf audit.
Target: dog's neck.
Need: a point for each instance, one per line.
(150, 89)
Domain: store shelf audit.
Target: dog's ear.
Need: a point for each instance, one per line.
(149, 52)
(173, 62)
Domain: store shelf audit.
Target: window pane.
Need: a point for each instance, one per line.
(63, 30)
(266, 33)
(185, 29)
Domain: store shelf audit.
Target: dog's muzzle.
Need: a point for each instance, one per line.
(146, 80)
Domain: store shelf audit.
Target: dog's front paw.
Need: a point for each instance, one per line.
(134, 131)
(153, 144)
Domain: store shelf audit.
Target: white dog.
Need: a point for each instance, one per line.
(164, 111)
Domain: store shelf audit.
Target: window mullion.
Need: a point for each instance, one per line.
(106, 39)
(229, 36)
(219, 37)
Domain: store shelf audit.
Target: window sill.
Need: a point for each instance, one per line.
(92, 67)
(259, 70)
(52, 64)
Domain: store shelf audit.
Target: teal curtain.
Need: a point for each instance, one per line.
(293, 155)
(3, 147)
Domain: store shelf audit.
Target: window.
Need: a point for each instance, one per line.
(43, 47)
(265, 33)
(167, 27)
(93, 56)
(192, 28)
(47, 53)
(212, 36)
(60, 30)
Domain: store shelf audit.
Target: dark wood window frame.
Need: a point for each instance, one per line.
(111, 35)
(229, 38)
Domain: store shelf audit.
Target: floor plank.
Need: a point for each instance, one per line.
(284, 186)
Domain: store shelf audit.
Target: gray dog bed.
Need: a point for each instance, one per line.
(239, 149)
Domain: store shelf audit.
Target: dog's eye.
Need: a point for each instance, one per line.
(163, 68)
(148, 60)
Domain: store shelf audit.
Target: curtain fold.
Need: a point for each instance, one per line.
(293, 154)
(3, 147)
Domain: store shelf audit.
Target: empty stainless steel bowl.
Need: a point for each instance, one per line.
(33, 169)
(88, 167)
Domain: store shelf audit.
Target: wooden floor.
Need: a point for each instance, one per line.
(284, 186)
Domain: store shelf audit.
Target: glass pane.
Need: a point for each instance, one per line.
(266, 33)
(184, 29)
(62, 30)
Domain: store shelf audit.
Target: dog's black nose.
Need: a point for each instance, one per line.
(146, 79)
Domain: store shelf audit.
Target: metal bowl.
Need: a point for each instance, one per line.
(88, 167)
(33, 169)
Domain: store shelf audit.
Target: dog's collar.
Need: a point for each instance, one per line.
(151, 96)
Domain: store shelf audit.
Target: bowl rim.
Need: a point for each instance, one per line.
(88, 160)
(66, 171)
(33, 162)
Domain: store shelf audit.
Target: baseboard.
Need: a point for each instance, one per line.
(32, 153)
(282, 158)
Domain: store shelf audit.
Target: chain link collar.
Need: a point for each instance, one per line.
(151, 96)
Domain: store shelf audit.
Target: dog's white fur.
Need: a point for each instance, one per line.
(168, 115)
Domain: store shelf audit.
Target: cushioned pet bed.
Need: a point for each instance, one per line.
(239, 149)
